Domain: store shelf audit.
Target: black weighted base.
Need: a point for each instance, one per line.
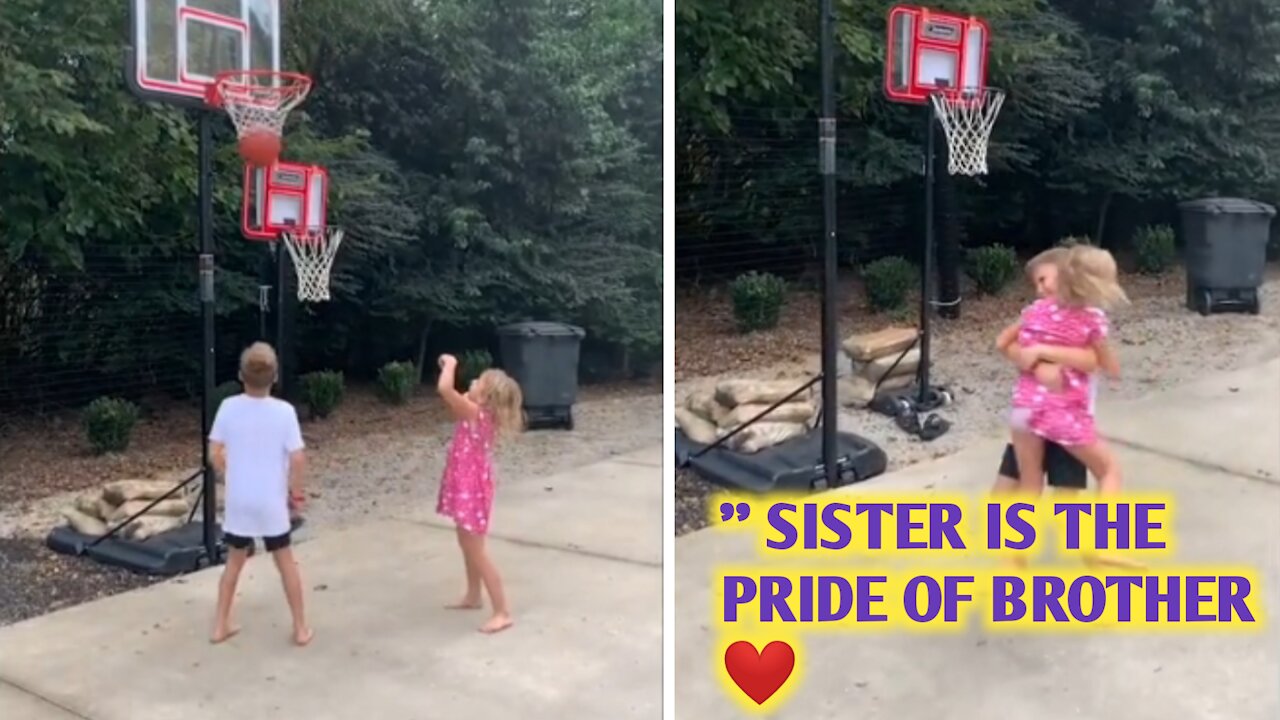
(794, 465)
(175, 552)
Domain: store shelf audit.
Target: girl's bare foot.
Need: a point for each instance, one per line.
(302, 636)
(465, 603)
(223, 634)
(497, 623)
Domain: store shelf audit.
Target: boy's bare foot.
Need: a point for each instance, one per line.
(223, 634)
(302, 636)
(497, 623)
(465, 603)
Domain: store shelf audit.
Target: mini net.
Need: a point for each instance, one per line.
(967, 117)
(258, 101)
(312, 252)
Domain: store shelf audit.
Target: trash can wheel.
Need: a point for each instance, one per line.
(1204, 302)
(568, 419)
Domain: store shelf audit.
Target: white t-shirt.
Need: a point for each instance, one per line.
(259, 434)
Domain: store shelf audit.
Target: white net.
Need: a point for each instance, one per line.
(260, 103)
(967, 118)
(312, 252)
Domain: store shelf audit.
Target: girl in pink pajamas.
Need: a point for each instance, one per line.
(491, 408)
(1053, 402)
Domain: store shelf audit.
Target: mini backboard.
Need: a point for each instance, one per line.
(285, 197)
(931, 50)
(180, 46)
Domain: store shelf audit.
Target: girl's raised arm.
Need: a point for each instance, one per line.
(459, 405)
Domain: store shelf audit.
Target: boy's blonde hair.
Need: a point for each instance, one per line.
(258, 367)
(1088, 277)
(500, 394)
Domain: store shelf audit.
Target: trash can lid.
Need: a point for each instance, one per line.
(542, 329)
(1231, 206)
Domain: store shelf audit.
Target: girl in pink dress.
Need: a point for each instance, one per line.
(491, 407)
(1054, 403)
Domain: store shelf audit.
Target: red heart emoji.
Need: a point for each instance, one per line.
(759, 674)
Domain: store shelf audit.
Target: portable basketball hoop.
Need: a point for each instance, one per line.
(312, 251)
(967, 117)
(259, 102)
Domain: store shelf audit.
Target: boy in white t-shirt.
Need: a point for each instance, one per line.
(256, 445)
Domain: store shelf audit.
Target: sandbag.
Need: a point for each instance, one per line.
(873, 370)
(704, 405)
(150, 526)
(799, 412)
(84, 523)
(872, 345)
(858, 392)
(732, 393)
(761, 435)
(104, 510)
(695, 427)
(88, 504)
(171, 507)
(122, 491)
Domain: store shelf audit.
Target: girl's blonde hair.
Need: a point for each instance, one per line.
(500, 394)
(1088, 277)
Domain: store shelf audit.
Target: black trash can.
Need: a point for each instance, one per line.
(1225, 243)
(543, 358)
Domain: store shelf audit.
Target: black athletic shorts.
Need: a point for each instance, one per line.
(272, 544)
(1062, 468)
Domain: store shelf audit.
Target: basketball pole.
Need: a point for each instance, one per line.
(827, 167)
(923, 396)
(209, 499)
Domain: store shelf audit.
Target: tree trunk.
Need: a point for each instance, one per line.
(1102, 218)
(421, 362)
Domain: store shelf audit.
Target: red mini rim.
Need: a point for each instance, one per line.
(287, 83)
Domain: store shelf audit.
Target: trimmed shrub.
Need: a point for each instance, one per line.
(396, 381)
(757, 300)
(108, 424)
(888, 281)
(322, 392)
(991, 268)
(470, 365)
(222, 392)
(1155, 249)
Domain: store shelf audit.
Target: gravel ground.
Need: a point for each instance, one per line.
(1160, 344)
(350, 478)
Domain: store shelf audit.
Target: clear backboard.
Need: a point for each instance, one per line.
(179, 46)
(930, 50)
(286, 197)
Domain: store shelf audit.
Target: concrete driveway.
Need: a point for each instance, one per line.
(1215, 445)
(582, 556)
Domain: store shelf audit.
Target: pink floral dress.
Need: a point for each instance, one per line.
(466, 491)
(1064, 417)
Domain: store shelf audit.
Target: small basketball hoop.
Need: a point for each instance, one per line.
(312, 251)
(967, 117)
(258, 102)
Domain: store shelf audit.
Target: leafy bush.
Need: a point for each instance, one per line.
(888, 280)
(757, 300)
(322, 392)
(396, 381)
(991, 268)
(470, 364)
(108, 424)
(222, 392)
(1155, 249)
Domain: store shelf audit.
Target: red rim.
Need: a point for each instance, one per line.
(242, 77)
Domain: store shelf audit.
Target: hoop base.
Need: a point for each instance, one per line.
(967, 117)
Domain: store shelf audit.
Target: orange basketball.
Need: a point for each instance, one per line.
(260, 148)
